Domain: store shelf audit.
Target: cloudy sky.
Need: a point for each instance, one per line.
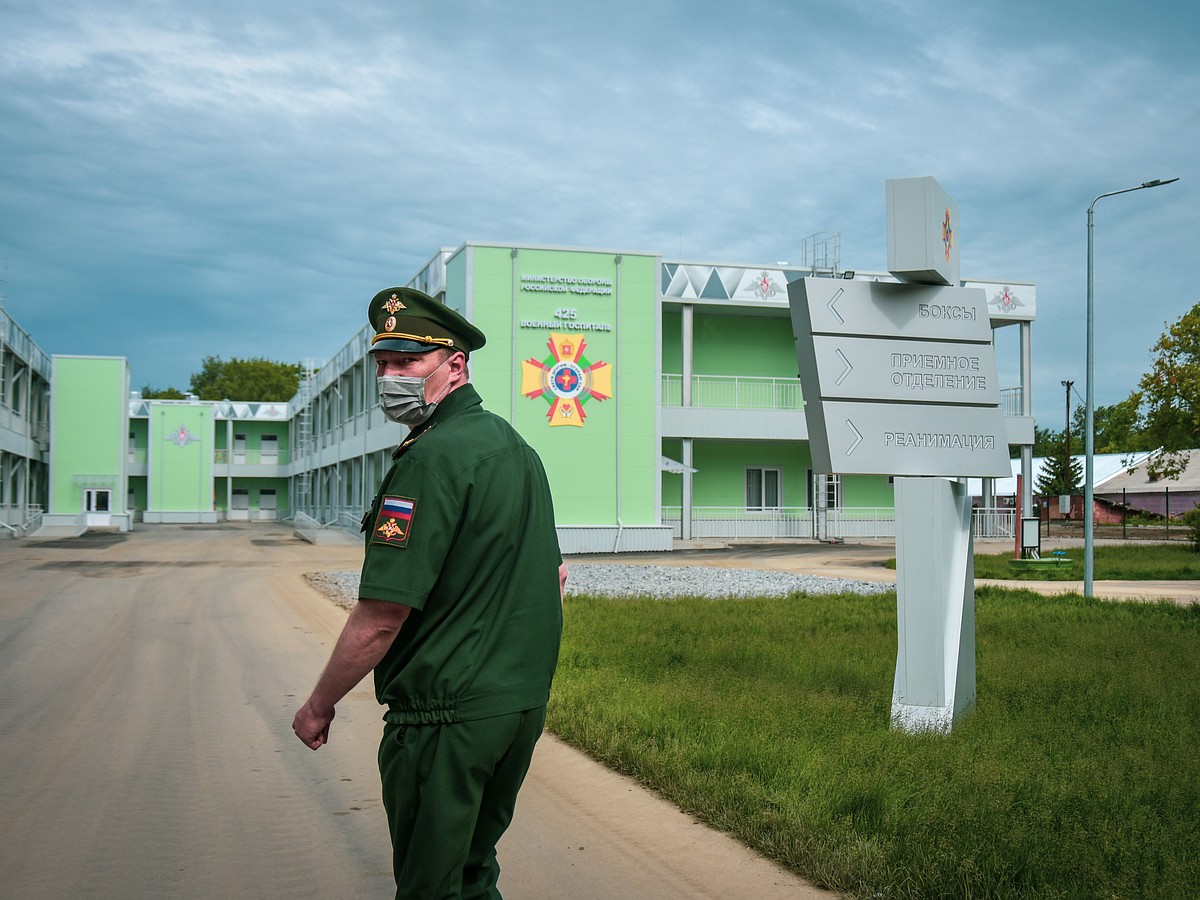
(183, 179)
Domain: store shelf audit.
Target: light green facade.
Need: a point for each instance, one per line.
(727, 344)
(181, 452)
(256, 496)
(599, 448)
(252, 438)
(139, 441)
(137, 493)
(88, 442)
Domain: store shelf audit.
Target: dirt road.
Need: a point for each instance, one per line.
(147, 686)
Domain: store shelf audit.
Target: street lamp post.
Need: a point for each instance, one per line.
(1089, 423)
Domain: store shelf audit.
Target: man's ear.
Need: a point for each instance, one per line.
(457, 365)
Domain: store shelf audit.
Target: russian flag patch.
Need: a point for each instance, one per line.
(394, 523)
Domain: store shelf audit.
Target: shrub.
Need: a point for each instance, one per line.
(1191, 519)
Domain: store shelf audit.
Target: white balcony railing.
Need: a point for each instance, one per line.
(1012, 401)
(749, 392)
(250, 457)
(734, 392)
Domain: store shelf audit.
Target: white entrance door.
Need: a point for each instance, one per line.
(239, 448)
(97, 504)
(239, 508)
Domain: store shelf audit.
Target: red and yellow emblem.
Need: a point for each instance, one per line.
(566, 380)
(393, 303)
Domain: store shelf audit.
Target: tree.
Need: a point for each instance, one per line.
(1045, 440)
(1117, 427)
(168, 393)
(1061, 474)
(1170, 392)
(246, 379)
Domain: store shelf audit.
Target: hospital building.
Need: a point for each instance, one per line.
(662, 395)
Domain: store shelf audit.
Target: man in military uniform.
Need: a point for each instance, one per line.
(459, 611)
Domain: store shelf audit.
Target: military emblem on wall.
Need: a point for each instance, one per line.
(566, 379)
(1005, 300)
(182, 436)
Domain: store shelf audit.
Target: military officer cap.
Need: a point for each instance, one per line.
(410, 321)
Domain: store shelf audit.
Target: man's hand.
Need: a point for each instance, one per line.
(311, 727)
(368, 633)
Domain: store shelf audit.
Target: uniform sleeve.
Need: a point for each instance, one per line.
(410, 535)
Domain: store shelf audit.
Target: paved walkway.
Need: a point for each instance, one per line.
(149, 682)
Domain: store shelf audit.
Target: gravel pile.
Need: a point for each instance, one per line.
(704, 581)
(661, 582)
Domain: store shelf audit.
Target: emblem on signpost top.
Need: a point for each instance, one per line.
(566, 380)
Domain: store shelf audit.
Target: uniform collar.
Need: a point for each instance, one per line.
(459, 399)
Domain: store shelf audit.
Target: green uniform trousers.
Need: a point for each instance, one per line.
(449, 791)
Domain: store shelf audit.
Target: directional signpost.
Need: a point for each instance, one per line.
(904, 378)
(900, 379)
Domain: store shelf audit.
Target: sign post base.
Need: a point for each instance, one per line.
(935, 602)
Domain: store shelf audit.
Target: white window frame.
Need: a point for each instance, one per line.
(833, 491)
(762, 473)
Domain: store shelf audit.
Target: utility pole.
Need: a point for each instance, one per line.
(1067, 385)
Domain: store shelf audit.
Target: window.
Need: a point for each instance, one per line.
(266, 499)
(833, 490)
(270, 447)
(241, 499)
(764, 488)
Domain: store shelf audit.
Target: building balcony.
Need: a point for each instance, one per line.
(760, 408)
(226, 463)
(734, 392)
(250, 458)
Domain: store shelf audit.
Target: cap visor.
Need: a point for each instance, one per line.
(403, 345)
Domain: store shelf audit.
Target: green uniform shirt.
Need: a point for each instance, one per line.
(462, 531)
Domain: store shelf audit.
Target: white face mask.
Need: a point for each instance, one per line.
(402, 397)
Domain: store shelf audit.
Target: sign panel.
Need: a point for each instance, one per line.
(881, 309)
(922, 231)
(863, 438)
(906, 371)
(898, 379)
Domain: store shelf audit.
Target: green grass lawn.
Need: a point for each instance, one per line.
(1076, 775)
(1122, 562)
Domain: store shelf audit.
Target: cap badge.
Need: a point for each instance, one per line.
(389, 323)
(393, 303)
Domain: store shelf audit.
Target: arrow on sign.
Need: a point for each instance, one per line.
(857, 437)
(849, 368)
(834, 299)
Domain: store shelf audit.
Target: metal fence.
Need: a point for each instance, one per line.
(1167, 504)
(861, 522)
(994, 522)
(306, 526)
